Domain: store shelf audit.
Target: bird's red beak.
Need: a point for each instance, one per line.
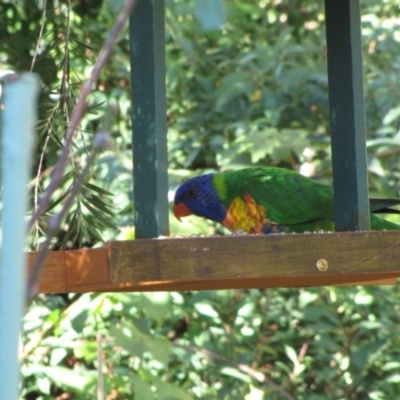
(180, 210)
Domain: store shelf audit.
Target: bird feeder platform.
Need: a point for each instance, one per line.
(209, 263)
(226, 262)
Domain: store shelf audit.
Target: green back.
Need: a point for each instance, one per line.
(288, 197)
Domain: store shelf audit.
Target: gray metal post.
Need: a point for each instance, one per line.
(347, 115)
(147, 41)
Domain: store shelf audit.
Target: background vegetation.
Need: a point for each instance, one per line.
(246, 85)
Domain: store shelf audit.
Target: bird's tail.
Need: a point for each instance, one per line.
(380, 224)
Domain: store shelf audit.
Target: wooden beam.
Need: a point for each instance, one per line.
(229, 262)
(54, 278)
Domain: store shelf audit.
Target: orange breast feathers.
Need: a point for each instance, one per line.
(246, 215)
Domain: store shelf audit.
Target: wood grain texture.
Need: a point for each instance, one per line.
(53, 279)
(248, 257)
(212, 263)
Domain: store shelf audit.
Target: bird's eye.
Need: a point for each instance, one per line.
(191, 193)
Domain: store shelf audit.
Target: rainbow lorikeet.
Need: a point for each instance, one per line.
(267, 200)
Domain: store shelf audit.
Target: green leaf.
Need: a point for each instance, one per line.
(99, 216)
(210, 13)
(141, 389)
(391, 116)
(98, 189)
(235, 373)
(155, 305)
(87, 228)
(44, 384)
(66, 377)
(168, 391)
(246, 310)
(56, 202)
(306, 297)
(135, 338)
(206, 309)
(291, 354)
(99, 203)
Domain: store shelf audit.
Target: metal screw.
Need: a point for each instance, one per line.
(322, 265)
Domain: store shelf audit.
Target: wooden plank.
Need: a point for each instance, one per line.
(347, 115)
(54, 278)
(273, 258)
(86, 267)
(212, 263)
(387, 281)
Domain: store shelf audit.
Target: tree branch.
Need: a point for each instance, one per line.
(101, 142)
(79, 110)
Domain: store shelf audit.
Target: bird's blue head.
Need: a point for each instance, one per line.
(199, 196)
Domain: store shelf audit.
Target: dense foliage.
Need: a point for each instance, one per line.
(246, 84)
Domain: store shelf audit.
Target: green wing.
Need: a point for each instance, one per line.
(288, 197)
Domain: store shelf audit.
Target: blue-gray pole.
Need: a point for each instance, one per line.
(18, 126)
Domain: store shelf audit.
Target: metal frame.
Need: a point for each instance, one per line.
(347, 117)
(149, 124)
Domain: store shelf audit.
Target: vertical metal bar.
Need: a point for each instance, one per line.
(147, 41)
(347, 116)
